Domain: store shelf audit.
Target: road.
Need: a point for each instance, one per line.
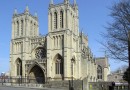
(20, 88)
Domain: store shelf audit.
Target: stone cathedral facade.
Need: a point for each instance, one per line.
(61, 54)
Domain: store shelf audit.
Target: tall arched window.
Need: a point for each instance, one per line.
(54, 42)
(55, 20)
(34, 29)
(19, 67)
(61, 19)
(17, 28)
(21, 27)
(59, 65)
(51, 21)
(99, 72)
(31, 28)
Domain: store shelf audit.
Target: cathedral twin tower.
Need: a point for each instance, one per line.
(59, 55)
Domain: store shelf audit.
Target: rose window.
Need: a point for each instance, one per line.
(40, 53)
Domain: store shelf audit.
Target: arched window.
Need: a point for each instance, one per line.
(51, 21)
(34, 29)
(19, 67)
(17, 28)
(61, 19)
(31, 28)
(59, 65)
(99, 72)
(55, 20)
(54, 42)
(21, 27)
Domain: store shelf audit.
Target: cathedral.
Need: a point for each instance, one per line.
(61, 54)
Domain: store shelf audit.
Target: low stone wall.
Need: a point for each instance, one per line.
(77, 84)
(57, 84)
(64, 85)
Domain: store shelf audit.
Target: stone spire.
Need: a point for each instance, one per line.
(15, 11)
(66, 1)
(35, 14)
(51, 2)
(74, 2)
(26, 10)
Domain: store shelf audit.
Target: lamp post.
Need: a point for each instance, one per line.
(72, 61)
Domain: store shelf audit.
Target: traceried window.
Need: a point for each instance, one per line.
(40, 53)
(59, 65)
(99, 72)
(61, 19)
(55, 20)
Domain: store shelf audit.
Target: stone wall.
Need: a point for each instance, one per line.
(77, 84)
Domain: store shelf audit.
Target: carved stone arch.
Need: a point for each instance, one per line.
(40, 51)
(34, 64)
(17, 59)
(58, 66)
(61, 9)
(57, 56)
(74, 59)
(36, 73)
(55, 10)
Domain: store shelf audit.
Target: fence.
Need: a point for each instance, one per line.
(108, 86)
(21, 80)
(76, 84)
(38, 82)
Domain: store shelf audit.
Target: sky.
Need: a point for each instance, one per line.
(93, 17)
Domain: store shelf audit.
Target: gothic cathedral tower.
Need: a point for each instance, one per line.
(24, 27)
(63, 41)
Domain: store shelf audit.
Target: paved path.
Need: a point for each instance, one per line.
(20, 88)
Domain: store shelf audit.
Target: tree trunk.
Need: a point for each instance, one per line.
(129, 59)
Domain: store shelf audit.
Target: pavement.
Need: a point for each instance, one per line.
(17, 88)
(26, 88)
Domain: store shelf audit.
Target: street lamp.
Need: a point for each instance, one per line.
(72, 61)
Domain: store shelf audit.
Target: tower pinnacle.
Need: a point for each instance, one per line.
(27, 10)
(15, 11)
(51, 2)
(74, 2)
(35, 14)
(66, 1)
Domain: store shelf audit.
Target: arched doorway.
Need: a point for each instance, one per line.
(36, 75)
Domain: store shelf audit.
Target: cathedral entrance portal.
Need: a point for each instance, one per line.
(36, 75)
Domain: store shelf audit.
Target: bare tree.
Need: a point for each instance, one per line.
(118, 32)
(121, 69)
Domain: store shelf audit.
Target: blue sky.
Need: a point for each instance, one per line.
(93, 16)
